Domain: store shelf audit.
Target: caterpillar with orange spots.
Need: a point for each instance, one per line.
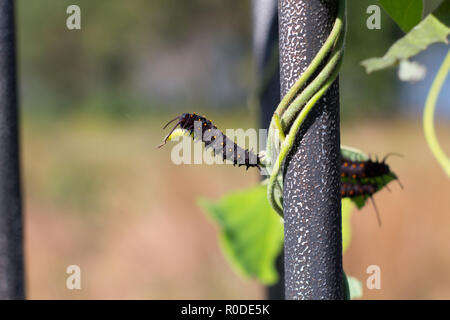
(361, 179)
(354, 190)
(364, 169)
(204, 130)
(351, 190)
(367, 172)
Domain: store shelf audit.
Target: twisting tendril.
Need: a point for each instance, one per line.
(428, 116)
(298, 102)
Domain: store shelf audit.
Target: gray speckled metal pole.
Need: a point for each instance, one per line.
(11, 252)
(312, 202)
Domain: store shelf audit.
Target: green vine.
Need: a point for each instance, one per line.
(298, 102)
(428, 116)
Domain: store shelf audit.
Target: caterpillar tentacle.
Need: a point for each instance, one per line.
(376, 211)
(178, 117)
(391, 154)
(400, 184)
(171, 131)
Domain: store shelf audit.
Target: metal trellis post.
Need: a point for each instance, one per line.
(11, 251)
(312, 203)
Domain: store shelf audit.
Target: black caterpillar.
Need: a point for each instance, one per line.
(358, 178)
(213, 138)
(359, 171)
(352, 190)
(364, 169)
(357, 189)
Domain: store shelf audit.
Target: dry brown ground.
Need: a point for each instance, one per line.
(98, 195)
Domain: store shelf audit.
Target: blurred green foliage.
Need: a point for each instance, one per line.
(251, 233)
(159, 55)
(406, 13)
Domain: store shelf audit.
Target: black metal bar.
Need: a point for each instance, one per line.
(265, 48)
(11, 247)
(265, 51)
(312, 203)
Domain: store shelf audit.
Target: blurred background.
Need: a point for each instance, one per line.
(99, 195)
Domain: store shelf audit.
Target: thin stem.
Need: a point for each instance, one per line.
(278, 126)
(428, 116)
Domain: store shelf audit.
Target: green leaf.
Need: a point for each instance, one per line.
(251, 233)
(434, 28)
(347, 209)
(406, 13)
(353, 154)
(355, 287)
